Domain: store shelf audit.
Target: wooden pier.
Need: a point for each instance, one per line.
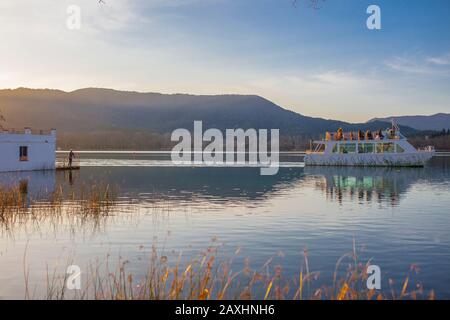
(64, 165)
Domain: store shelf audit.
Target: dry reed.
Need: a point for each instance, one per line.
(91, 203)
(208, 277)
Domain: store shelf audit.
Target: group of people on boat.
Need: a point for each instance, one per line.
(368, 135)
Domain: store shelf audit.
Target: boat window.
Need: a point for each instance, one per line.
(365, 148)
(347, 148)
(379, 148)
(320, 148)
(388, 147)
(335, 148)
(400, 149)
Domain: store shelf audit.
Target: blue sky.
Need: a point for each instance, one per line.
(321, 62)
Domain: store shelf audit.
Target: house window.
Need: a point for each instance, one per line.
(23, 153)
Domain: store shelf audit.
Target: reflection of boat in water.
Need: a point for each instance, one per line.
(387, 148)
(375, 184)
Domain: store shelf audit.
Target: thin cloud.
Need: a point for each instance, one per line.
(441, 60)
(428, 66)
(315, 84)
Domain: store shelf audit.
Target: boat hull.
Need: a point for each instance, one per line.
(369, 160)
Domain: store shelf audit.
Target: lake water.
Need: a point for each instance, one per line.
(397, 217)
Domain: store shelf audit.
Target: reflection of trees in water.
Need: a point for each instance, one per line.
(68, 200)
(229, 186)
(375, 184)
(170, 189)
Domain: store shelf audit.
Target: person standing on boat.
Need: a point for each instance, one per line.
(380, 135)
(352, 137)
(71, 156)
(340, 134)
(360, 135)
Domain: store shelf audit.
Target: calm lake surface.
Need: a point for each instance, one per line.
(397, 217)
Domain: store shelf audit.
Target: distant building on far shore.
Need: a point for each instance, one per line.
(26, 150)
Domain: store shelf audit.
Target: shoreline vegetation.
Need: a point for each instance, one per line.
(209, 277)
(89, 204)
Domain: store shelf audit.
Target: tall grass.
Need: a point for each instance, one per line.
(206, 276)
(90, 203)
(209, 277)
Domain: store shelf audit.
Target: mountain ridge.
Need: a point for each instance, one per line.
(101, 109)
(436, 122)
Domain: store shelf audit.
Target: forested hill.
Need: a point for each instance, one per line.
(86, 114)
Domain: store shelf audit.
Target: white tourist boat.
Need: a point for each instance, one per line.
(387, 148)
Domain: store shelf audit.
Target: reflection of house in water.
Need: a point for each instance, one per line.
(381, 185)
(36, 184)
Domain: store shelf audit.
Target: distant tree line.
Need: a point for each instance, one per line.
(148, 140)
(2, 120)
(441, 133)
(440, 141)
(114, 140)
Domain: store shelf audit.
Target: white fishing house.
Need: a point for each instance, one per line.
(26, 150)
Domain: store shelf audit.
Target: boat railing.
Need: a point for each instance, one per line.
(354, 136)
(395, 138)
(426, 149)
